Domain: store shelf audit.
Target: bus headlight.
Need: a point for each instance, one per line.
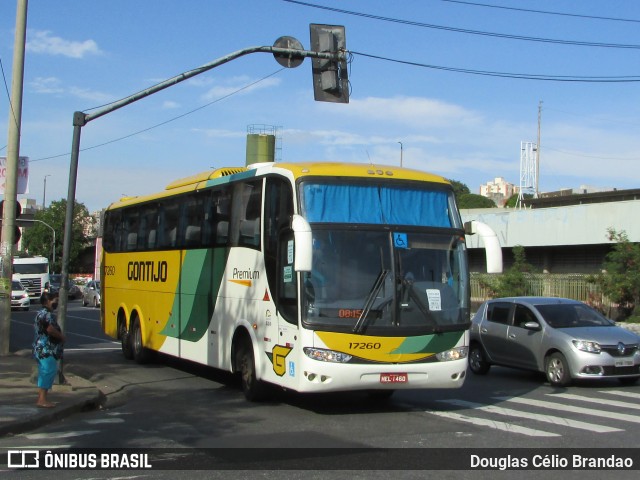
(457, 353)
(323, 355)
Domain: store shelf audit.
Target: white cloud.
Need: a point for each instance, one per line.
(169, 105)
(238, 85)
(219, 133)
(44, 42)
(53, 85)
(46, 85)
(415, 111)
(92, 95)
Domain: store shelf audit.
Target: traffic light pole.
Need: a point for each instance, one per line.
(11, 179)
(80, 119)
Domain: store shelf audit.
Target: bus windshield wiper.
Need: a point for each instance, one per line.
(377, 285)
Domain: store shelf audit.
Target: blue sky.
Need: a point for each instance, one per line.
(86, 53)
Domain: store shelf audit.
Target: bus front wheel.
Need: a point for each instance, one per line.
(254, 390)
(140, 354)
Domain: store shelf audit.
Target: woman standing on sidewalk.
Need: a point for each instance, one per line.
(47, 346)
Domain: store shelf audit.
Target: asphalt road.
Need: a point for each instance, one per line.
(175, 405)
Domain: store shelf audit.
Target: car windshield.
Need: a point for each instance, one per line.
(564, 315)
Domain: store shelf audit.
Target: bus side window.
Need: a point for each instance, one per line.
(192, 220)
(168, 225)
(247, 203)
(112, 230)
(218, 217)
(148, 227)
(131, 223)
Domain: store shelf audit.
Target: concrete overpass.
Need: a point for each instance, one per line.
(563, 239)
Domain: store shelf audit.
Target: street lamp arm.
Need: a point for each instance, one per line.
(80, 119)
(53, 250)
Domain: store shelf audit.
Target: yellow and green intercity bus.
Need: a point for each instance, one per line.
(314, 277)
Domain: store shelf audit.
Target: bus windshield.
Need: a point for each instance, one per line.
(386, 282)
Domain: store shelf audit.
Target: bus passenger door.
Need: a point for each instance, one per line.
(287, 305)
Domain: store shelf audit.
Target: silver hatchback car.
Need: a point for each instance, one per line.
(91, 294)
(563, 338)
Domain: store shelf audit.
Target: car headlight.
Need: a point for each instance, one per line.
(25, 295)
(587, 346)
(323, 355)
(457, 353)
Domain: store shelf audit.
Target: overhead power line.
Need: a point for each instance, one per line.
(219, 99)
(578, 43)
(544, 12)
(521, 76)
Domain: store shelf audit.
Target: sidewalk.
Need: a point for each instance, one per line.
(18, 410)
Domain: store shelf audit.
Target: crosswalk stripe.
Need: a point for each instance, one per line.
(565, 422)
(601, 401)
(507, 427)
(569, 408)
(621, 393)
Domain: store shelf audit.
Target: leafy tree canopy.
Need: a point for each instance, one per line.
(512, 282)
(459, 188)
(38, 239)
(473, 200)
(620, 280)
(513, 200)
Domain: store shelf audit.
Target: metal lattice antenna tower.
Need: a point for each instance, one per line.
(528, 171)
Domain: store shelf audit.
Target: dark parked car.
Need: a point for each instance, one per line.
(563, 338)
(54, 286)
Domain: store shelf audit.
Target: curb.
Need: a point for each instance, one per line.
(27, 423)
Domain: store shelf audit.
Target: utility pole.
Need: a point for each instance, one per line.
(400, 154)
(11, 185)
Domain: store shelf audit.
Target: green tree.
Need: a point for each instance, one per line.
(513, 200)
(473, 200)
(38, 239)
(459, 189)
(513, 281)
(620, 280)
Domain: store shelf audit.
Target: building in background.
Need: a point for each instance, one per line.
(498, 190)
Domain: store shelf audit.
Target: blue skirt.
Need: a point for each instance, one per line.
(47, 369)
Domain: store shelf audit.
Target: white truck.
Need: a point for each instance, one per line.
(32, 273)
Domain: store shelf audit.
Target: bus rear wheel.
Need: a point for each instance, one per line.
(254, 390)
(125, 340)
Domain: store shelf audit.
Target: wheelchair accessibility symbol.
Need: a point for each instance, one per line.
(400, 240)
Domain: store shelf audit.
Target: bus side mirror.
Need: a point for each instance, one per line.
(303, 248)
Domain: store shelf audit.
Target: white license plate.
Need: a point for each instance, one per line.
(624, 363)
(394, 378)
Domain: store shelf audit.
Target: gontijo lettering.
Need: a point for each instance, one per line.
(147, 271)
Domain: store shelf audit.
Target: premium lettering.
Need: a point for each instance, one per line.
(148, 271)
(245, 274)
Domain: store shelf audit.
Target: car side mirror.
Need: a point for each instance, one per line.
(532, 326)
